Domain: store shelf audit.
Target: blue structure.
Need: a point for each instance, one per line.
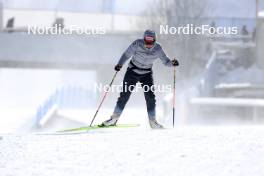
(66, 97)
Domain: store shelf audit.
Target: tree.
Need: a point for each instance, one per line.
(190, 49)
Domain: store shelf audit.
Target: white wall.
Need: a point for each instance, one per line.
(42, 18)
(30, 87)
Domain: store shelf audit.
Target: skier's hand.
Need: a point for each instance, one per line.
(175, 62)
(118, 67)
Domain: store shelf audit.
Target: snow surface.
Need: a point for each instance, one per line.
(183, 151)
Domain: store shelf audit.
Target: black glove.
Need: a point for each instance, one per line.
(118, 67)
(174, 62)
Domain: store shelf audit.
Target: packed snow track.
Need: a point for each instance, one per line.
(184, 151)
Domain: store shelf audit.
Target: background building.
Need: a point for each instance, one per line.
(35, 68)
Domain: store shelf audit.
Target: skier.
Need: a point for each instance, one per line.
(143, 52)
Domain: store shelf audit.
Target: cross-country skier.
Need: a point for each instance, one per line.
(143, 53)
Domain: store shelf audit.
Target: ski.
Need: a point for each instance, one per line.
(94, 127)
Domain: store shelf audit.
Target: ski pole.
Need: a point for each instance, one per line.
(103, 98)
(174, 99)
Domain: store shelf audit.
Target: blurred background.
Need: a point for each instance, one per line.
(47, 81)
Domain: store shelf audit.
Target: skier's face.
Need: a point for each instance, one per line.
(149, 41)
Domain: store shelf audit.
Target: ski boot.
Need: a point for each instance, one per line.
(110, 122)
(154, 124)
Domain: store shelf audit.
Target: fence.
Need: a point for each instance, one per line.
(66, 98)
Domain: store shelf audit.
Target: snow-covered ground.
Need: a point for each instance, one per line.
(183, 151)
